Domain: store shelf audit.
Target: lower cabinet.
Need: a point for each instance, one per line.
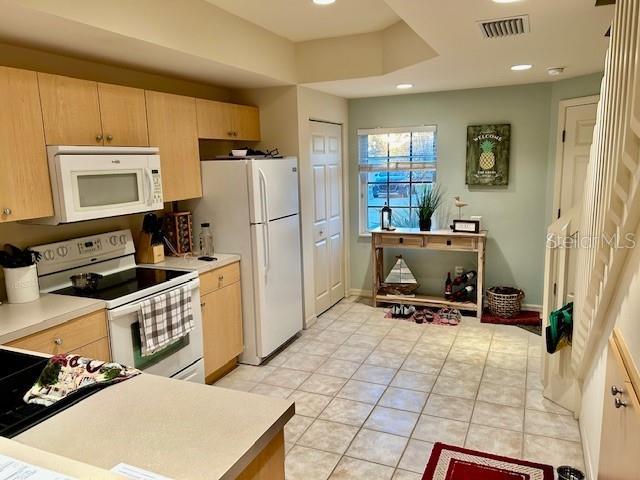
(620, 417)
(221, 328)
(86, 335)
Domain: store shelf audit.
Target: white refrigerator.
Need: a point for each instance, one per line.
(253, 209)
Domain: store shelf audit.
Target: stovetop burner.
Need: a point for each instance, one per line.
(18, 372)
(116, 285)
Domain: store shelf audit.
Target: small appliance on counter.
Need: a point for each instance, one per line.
(178, 230)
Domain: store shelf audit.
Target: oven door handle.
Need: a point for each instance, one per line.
(130, 308)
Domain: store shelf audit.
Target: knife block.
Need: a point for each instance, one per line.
(147, 253)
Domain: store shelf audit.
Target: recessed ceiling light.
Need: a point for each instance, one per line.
(404, 86)
(523, 66)
(323, 2)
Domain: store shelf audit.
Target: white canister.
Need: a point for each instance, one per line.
(22, 284)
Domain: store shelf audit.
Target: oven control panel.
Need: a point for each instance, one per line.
(84, 251)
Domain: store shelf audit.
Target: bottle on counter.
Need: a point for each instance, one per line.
(206, 240)
(448, 287)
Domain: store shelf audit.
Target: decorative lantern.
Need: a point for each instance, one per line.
(385, 218)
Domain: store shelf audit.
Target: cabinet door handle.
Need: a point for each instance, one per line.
(615, 390)
(99, 137)
(6, 211)
(57, 341)
(619, 403)
(221, 278)
(203, 304)
(230, 133)
(401, 240)
(109, 138)
(449, 242)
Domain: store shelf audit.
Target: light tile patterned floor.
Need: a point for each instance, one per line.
(373, 395)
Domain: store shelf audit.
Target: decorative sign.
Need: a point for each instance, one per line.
(488, 154)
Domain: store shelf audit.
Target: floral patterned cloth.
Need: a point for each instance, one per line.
(66, 373)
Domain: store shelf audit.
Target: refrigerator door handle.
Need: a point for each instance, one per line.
(265, 214)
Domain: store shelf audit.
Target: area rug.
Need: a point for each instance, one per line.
(525, 317)
(455, 463)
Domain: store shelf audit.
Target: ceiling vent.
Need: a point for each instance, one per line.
(505, 27)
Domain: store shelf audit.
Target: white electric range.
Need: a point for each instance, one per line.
(123, 287)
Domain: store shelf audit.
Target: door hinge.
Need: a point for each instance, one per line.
(555, 288)
(558, 213)
(564, 135)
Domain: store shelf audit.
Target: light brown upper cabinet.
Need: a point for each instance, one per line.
(82, 112)
(124, 115)
(219, 120)
(71, 110)
(25, 191)
(174, 129)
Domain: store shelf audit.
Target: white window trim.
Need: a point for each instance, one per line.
(363, 231)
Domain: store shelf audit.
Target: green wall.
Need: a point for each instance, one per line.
(516, 216)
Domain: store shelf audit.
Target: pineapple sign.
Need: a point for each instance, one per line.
(488, 154)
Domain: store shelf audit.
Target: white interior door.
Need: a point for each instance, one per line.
(578, 135)
(579, 123)
(328, 254)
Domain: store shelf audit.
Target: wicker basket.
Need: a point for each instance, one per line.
(504, 301)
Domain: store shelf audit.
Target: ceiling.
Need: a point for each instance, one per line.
(567, 33)
(301, 20)
(349, 45)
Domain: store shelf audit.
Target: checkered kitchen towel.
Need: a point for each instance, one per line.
(164, 319)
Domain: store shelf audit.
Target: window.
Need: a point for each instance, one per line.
(396, 165)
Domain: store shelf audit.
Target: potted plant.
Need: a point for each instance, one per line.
(20, 274)
(428, 202)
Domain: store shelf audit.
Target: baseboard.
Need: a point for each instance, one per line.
(532, 307)
(309, 321)
(588, 461)
(359, 293)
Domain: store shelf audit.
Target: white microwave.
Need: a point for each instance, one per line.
(98, 182)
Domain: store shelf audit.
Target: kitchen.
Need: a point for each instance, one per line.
(305, 240)
(112, 173)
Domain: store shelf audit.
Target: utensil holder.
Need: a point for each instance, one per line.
(22, 284)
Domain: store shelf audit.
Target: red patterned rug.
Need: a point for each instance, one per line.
(454, 463)
(525, 317)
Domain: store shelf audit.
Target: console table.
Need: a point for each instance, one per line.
(440, 240)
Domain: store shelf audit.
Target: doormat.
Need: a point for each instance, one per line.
(537, 329)
(455, 463)
(525, 317)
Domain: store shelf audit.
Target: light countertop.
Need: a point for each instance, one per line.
(192, 262)
(170, 427)
(55, 463)
(21, 319)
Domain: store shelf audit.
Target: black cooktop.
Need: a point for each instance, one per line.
(124, 283)
(18, 373)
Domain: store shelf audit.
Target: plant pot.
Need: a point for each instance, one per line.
(425, 224)
(22, 284)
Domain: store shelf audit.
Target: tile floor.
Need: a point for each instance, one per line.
(373, 395)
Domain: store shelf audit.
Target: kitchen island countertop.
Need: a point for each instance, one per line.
(170, 427)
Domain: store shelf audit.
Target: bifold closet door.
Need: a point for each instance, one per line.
(328, 253)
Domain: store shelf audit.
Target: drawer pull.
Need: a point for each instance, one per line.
(221, 277)
(449, 242)
(615, 390)
(57, 341)
(401, 240)
(619, 403)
